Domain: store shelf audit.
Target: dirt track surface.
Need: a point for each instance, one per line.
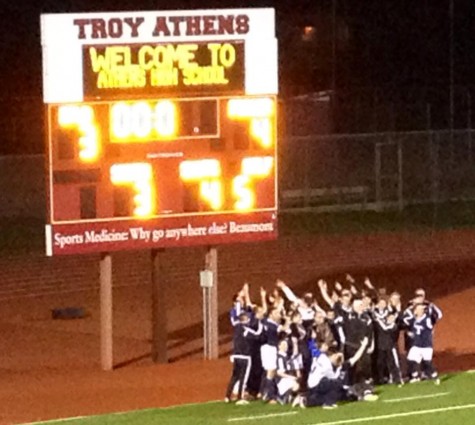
(50, 369)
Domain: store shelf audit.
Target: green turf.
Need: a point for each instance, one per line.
(450, 403)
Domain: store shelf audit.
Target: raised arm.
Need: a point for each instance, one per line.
(247, 298)
(288, 292)
(263, 294)
(324, 291)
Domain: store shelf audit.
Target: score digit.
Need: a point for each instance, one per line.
(252, 168)
(82, 117)
(259, 111)
(207, 172)
(139, 175)
(140, 121)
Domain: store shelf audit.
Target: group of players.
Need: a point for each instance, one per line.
(290, 349)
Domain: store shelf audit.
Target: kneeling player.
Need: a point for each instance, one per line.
(287, 381)
(326, 380)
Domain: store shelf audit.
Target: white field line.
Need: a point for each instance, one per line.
(254, 418)
(397, 400)
(398, 415)
(75, 418)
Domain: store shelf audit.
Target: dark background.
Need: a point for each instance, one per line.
(399, 49)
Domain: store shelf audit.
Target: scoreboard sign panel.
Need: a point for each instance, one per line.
(161, 129)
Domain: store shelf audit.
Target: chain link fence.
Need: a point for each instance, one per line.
(377, 171)
(367, 152)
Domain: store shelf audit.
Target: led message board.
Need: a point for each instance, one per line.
(161, 129)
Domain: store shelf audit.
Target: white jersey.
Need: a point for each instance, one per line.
(321, 368)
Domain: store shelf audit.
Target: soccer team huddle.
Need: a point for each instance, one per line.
(293, 350)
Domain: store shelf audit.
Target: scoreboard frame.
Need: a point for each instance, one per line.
(67, 233)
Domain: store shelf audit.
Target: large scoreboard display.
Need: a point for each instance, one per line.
(161, 129)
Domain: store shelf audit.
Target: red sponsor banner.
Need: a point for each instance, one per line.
(163, 232)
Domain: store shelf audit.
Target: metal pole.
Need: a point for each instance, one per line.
(211, 307)
(451, 64)
(333, 48)
(400, 186)
(159, 312)
(469, 126)
(377, 171)
(106, 311)
(451, 78)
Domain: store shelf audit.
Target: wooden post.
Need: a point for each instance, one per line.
(210, 307)
(159, 312)
(106, 312)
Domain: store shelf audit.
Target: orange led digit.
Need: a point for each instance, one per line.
(119, 120)
(82, 117)
(212, 191)
(140, 176)
(165, 118)
(141, 121)
(257, 166)
(261, 129)
(259, 111)
(200, 169)
(243, 193)
(207, 173)
(244, 108)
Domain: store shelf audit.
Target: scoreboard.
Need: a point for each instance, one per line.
(161, 129)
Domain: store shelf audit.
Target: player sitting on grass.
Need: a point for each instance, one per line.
(326, 381)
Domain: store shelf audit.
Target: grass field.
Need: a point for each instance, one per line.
(450, 403)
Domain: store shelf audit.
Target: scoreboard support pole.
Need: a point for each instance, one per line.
(159, 313)
(106, 312)
(210, 307)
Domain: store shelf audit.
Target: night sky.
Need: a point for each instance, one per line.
(379, 42)
(400, 47)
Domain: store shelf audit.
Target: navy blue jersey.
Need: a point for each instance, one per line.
(234, 313)
(271, 331)
(242, 338)
(421, 330)
(434, 312)
(283, 363)
(298, 338)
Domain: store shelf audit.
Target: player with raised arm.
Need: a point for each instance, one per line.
(387, 356)
(419, 357)
(272, 328)
(257, 318)
(241, 357)
(307, 308)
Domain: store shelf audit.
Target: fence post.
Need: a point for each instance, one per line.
(469, 126)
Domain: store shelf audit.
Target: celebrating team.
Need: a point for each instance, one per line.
(288, 349)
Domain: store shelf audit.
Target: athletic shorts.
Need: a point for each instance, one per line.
(419, 354)
(296, 362)
(284, 385)
(269, 357)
